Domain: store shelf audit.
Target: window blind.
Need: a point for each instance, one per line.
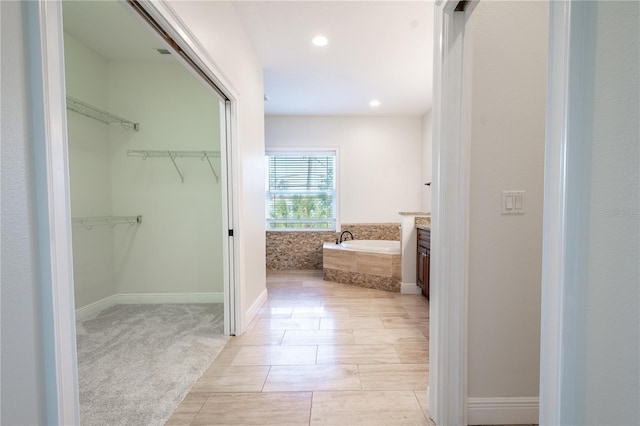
(300, 191)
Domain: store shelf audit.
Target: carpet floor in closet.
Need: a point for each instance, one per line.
(137, 362)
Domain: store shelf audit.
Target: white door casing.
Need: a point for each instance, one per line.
(589, 285)
(47, 79)
(53, 211)
(554, 216)
(449, 222)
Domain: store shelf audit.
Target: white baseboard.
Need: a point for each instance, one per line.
(146, 299)
(253, 310)
(95, 307)
(410, 288)
(502, 411)
(158, 298)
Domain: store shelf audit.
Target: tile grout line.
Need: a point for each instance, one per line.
(199, 409)
(265, 379)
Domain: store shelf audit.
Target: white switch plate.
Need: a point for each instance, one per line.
(513, 202)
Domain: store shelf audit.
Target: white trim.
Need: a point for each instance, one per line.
(255, 307)
(228, 256)
(160, 298)
(449, 222)
(96, 307)
(561, 279)
(53, 211)
(146, 299)
(410, 288)
(502, 411)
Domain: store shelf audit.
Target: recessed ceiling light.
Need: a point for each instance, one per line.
(320, 41)
(374, 103)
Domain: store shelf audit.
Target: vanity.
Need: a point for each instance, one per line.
(415, 240)
(423, 257)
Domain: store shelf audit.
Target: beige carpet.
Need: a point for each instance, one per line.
(137, 362)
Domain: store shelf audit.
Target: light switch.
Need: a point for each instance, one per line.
(512, 202)
(518, 202)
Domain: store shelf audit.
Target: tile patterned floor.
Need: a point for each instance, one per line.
(319, 353)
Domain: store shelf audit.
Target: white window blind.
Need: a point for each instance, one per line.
(301, 190)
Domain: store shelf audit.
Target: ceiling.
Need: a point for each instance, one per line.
(113, 31)
(377, 50)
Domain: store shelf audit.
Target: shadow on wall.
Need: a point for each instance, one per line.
(302, 250)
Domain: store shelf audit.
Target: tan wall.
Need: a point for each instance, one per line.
(303, 250)
(508, 46)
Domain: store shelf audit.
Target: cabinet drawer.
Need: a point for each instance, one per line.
(424, 238)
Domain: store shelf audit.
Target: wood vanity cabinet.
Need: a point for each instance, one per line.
(422, 261)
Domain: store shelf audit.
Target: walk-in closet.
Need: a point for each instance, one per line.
(144, 135)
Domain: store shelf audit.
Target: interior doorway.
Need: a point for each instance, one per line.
(148, 155)
(144, 150)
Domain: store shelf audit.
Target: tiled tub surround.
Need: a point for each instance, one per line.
(380, 271)
(423, 221)
(303, 250)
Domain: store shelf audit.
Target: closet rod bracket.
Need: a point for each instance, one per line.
(172, 155)
(211, 166)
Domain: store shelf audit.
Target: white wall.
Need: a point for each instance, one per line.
(178, 246)
(380, 160)
(608, 311)
(218, 29)
(427, 138)
(22, 353)
(508, 56)
(89, 174)
(21, 348)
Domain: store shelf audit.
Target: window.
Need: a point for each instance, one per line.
(301, 191)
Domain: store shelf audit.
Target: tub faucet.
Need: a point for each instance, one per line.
(342, 234)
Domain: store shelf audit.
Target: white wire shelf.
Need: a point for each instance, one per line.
(173, 155)
(99, 114)
(88, 222)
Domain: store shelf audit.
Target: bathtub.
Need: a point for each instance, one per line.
(373, 246)
(363, 263)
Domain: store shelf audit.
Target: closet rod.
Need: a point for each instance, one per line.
(89, 222)
(202, 155)
(146, 153)
(99, 114)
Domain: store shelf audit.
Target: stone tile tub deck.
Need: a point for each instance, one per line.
(367, 269)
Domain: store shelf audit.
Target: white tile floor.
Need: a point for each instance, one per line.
(319, 353)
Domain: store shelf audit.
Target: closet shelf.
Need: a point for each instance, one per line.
(98, 114)
(89, 222)
(202, 155)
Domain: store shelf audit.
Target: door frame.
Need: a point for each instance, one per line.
(53, 215)
(53, 210)
(449, 219)
(448, 330)
(562, 245)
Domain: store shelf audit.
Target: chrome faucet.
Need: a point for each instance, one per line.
(342, 234)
